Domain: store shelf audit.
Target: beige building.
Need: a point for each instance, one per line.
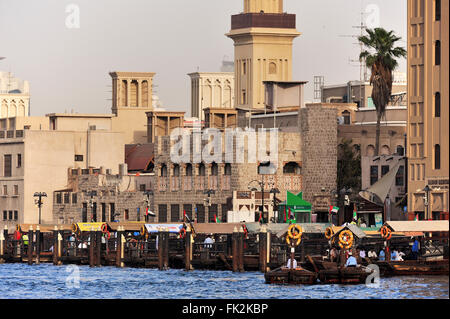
(14, 97)
(360, 93)
(211, 90)
(37, 161)
(131, 98)
(428, 112)
(263, 35)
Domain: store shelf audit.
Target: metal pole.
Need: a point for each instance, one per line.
(38, 244)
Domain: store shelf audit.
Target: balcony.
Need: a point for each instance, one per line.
(175, 183)
(263, 20)
(226, 182)
(200, 183)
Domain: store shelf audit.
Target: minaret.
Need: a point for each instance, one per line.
(263, 37)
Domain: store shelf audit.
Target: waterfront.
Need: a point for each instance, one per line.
(19, 281)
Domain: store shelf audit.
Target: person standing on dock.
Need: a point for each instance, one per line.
(382, 256)
(351, 261)
(415, 249)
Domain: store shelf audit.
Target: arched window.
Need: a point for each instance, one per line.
(214, 169)
(266, 168)
(188, 169)
(272, 68)
(385, 150)
(291, 168)
(227, 169)
(163, 170)
(400, 150)
(176, 170)
(201, 169)
(437, 53)
(370, 150)
(437, 156)
(347, 117)
(437, 104)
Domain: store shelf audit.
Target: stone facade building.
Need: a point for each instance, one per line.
(95, 195)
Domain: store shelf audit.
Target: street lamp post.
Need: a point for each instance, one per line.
(39, 202)
(91, 194)
(208, 192)
(147, 201)
(426, 201)
(274, 191)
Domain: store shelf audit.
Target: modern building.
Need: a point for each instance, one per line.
(428, 111)
(211, 90)
(360, 92)
(37, 161)
(263, 36)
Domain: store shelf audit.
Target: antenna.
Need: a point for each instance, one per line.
(362, 63)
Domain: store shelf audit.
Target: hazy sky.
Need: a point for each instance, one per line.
(68, 67)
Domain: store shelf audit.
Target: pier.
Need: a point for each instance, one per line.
(237, 247)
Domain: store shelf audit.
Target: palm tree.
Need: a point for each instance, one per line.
(381, 59)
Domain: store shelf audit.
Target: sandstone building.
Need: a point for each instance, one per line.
(428, 112)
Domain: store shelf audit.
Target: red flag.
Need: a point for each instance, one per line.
(184, 215)
(146, 211)
(285, 216)
(290, 214)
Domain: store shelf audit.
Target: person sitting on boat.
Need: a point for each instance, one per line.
(382, 255)
(372, 254)
(351, 261)
(208, 242)
(334, 254)
(294, 263)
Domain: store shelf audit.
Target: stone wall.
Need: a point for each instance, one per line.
(318, 127)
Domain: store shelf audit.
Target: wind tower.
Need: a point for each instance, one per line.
(263, 37)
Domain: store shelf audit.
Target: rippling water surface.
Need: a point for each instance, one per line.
(47, 281)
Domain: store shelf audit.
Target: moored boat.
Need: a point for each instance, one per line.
(414, 268)
(298, 276)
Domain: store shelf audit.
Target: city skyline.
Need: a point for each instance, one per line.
(198, 29)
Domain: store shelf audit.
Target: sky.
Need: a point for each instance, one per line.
(67, 60)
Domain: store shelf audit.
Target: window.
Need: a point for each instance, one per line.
(16, 189)
(189, 170)
(201, 169)
(244, 97)
(214, 169)
(10, 215)
(200, 213)
(162, 213)
(346, 116)
(400, 150)
(291, 168)
(244, 67)
(103, 212)
(66, 198)
(16, 215)
(437, 104)
(437, 53)
(163, 170)
(384, 170)
(5, 215)
(58, 198)
(112, 210)
(373, 174)
(84, 213)
(272, 68)
(19, 160)
(142, 187)
(176, 170)
(126, 216)
(437, 156)
(78, 158)
(7, 165)
(94, 212)
(5, 189)
(437, 10)
(227, 169)
(74, 198)
(224, 212)
(175, 213)
(400, 177)
(212, 213)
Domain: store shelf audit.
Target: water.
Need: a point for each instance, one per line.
(20, 281)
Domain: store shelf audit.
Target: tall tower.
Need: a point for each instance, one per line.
(263, 37)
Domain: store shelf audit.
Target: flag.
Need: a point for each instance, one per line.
(184, 215)
(354, 212)
(291, 215)
(334, 209)
(415, 218)
(146, 211)
(285, 216)
(216, 219)
(260, 215)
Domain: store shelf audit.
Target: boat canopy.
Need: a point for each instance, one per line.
(426, 226)
(156, 228)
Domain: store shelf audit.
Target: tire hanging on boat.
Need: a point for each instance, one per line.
(386, 233)
(329, 233)
(346, 239)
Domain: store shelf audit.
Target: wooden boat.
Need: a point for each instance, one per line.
(414, 268)
(344, 275)
(297, 276)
